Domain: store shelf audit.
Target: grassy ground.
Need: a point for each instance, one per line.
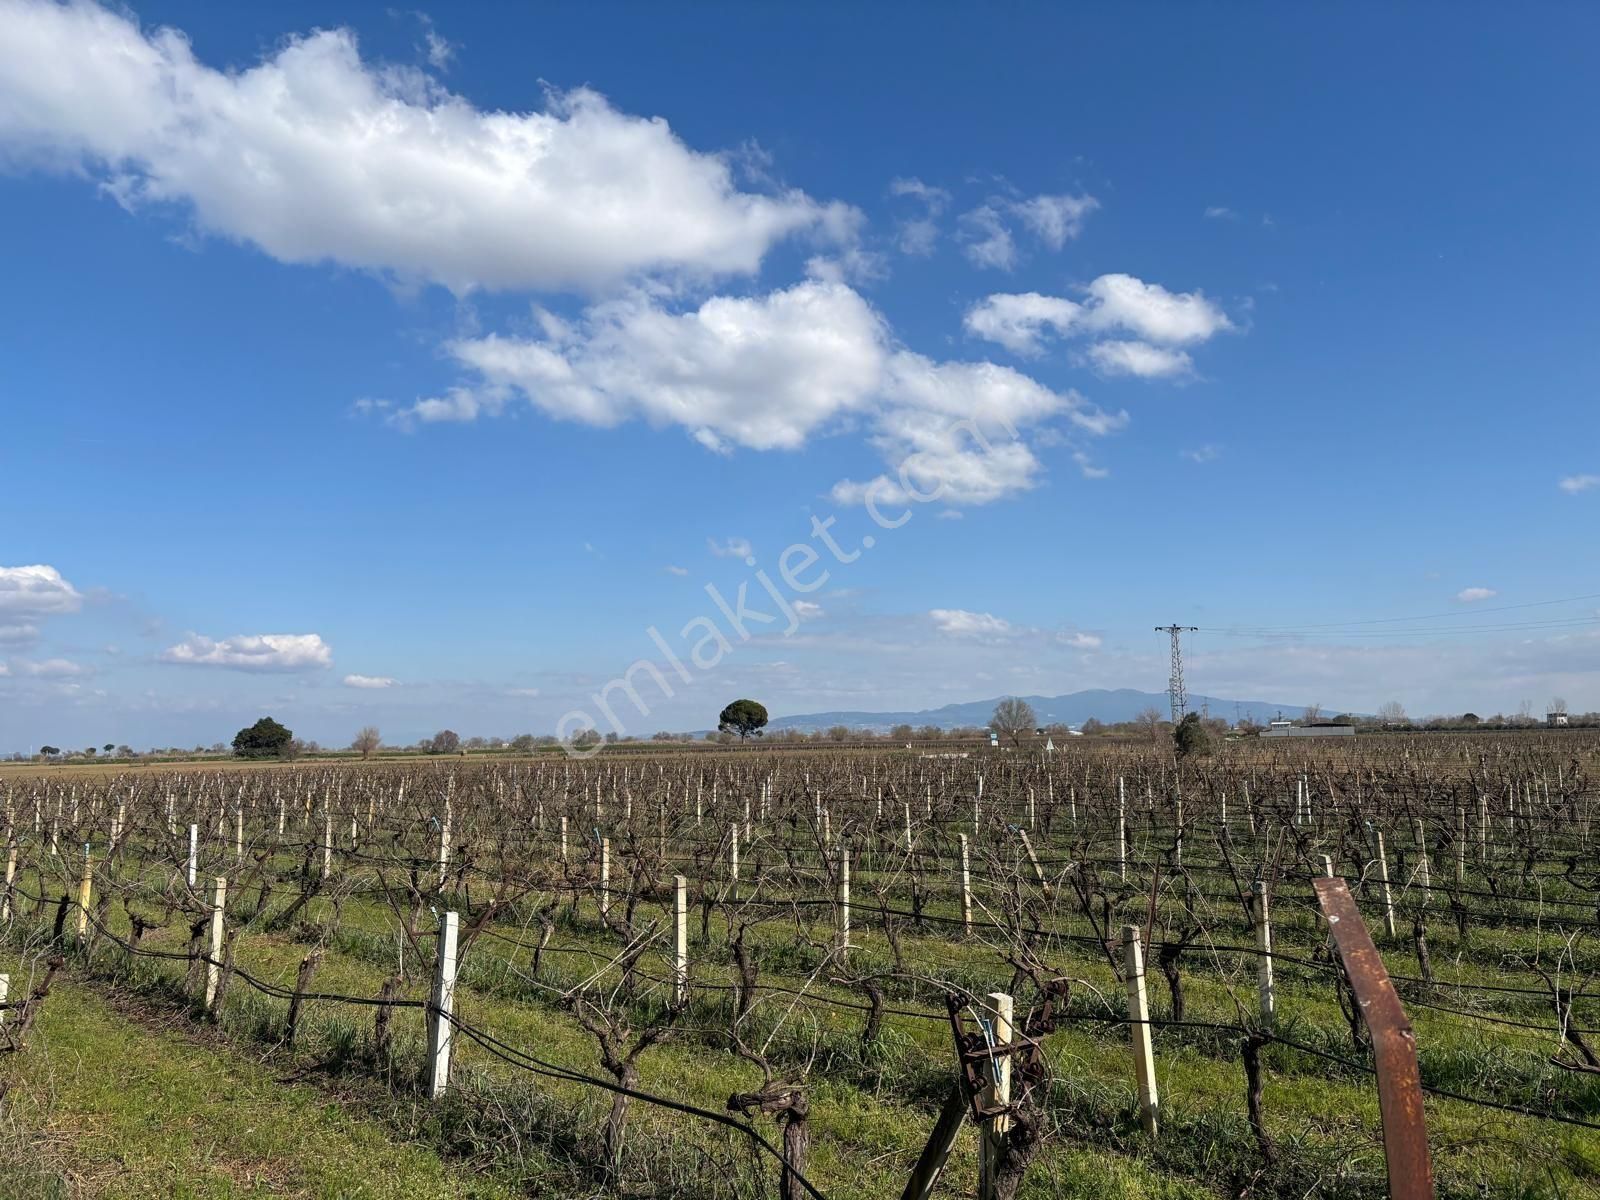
(117, 1102)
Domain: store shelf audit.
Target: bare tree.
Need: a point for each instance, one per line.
(1150, 720)
(368, 740)
(1392, 713)
(1558, 705)
(1311, 715)
(1013, 718)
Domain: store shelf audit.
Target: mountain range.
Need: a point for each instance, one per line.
(1074, 708)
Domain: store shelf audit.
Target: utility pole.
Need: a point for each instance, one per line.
(1175, 683)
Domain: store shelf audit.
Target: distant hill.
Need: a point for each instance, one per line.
(1121, 704)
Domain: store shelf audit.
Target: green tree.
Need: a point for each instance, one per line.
(743, 717)
(1191, 736)
(265, 739)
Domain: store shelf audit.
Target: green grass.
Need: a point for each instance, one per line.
(109, 1106)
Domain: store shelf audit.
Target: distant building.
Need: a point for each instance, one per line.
(1286, 729)
(1555, 720)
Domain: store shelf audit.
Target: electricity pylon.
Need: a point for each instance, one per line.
(1175, 693)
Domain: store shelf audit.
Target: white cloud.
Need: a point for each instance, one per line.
(18, 634)
(761, 372)
(1018, 320)
(36, 591)
(1081, 641)
(1139, 359)
(53, 668)
(1159, 320)
(958, 622)
(259, 652)
(734, 547)
(1148, 310)
(806, 610)
(1472, 594)
(952, 432)
(769, 372)
(679, 571)
(1219, 212)
(988, 242)
(369, 682)
(917, 236)
(1054, 220)
(1573, 484)
(313, 155)
(1203, 454)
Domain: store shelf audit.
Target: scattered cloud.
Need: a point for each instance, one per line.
(314, 155)
(258, 652)
(1573, 484)
(52, 668)
(1473, 594)
(1219, 212)
(986, 239)
(1161, 322)
(679, 571)
(1203, 454)
(734, 547)
(958, 622)
(1052, 219)
(1081, 641)
(19, 634)
(806, 610)
(36, 591)
(1138, 359)
(917, 236)
(368, 682)
(1019, 321)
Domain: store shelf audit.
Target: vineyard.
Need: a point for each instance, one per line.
(851, 973)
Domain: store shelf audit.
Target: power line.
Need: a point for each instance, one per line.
(1175, 692)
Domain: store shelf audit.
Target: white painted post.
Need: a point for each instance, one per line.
(11, 878)
(605, 877)
(966, 887)
(444, 843)
(85, 891)
(327, 840)
(844, 900)
(733, 862)
(1038, 871)
(1269, 1003)
(1424, 871)
(238, 833)
(1144, 1055)
(995, 1093)
(908, 825)
(1383, 887)
(1461, 844)
(680, 939)
(194, 850)
(563, 838)
(1122, 830)
(5, 996)
(219, 897)
(440, 1006)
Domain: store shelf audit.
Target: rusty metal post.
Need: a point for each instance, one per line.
(1394, 1045)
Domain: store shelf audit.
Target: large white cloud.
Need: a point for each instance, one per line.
(313, 155)
(769, 372)
(36, 591)
(961, 623)
(763, 372)
(253, 652)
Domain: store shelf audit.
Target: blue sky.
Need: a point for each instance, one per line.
(364, 365)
